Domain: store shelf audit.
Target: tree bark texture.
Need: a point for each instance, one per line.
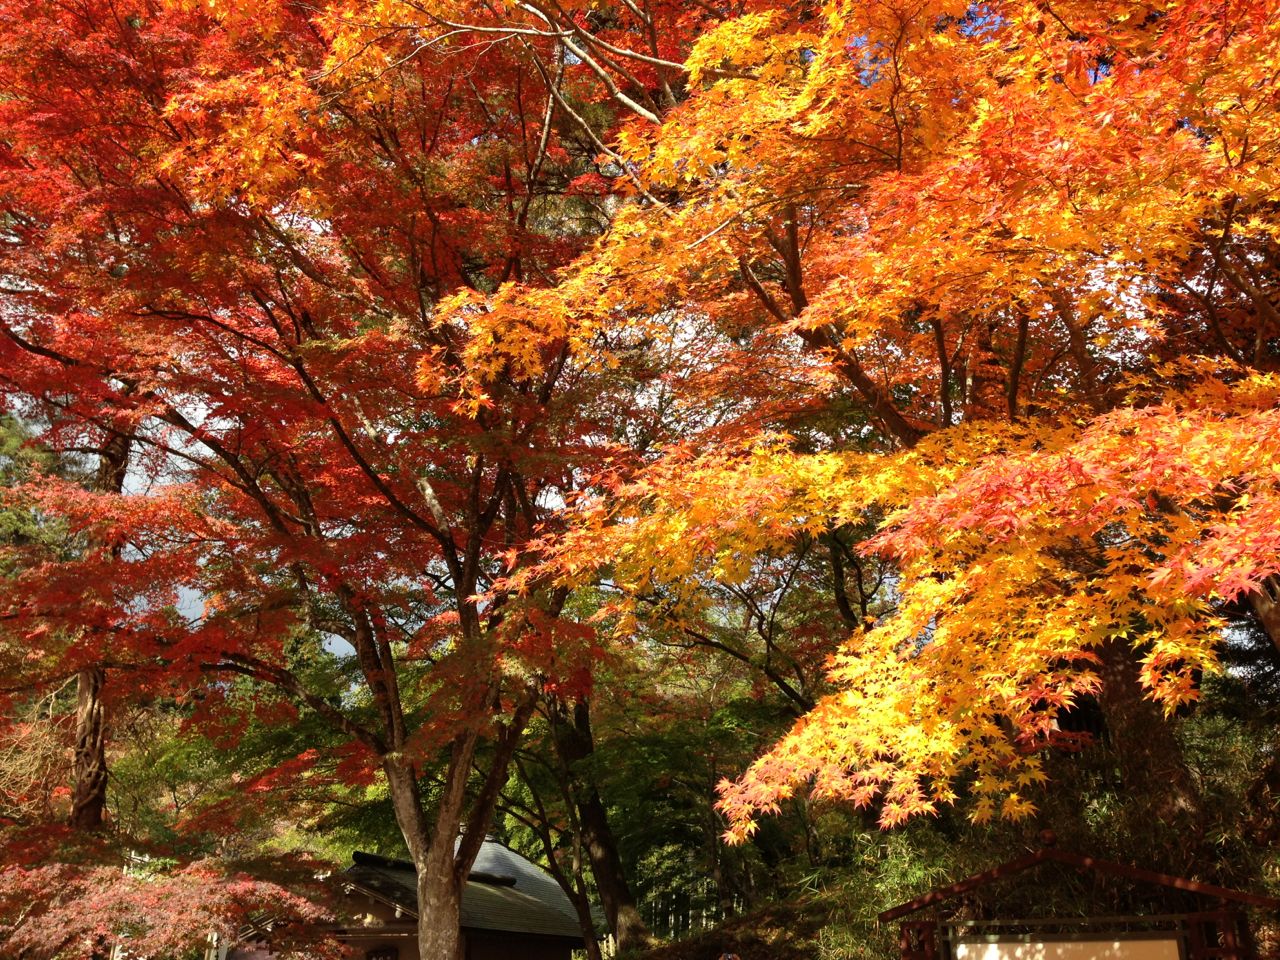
(89, 763)
(439, 908)
(1147, 751)
(89, 766)
(1266, 604)
(432, 853)
(574, 742)
(444, 846)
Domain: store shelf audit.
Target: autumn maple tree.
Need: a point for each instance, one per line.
(1030, 248)
(228, 235)
(387, 326)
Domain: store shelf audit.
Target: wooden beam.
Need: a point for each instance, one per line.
(1138, 874)
(963, 886)
(1162, 879)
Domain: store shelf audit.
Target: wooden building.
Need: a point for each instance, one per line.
(511, 908)
(1210, 922)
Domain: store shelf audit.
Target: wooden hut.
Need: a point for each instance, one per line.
(511, 908)
(1216, 928)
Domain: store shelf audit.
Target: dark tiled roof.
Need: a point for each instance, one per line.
(505, 892)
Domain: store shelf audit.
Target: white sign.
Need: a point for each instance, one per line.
(1145, 948)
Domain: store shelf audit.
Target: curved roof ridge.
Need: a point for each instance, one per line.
(505, 891)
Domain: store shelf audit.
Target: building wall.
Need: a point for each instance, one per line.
(509, 946)
(376, 933)
(476, 945)
(382, 931)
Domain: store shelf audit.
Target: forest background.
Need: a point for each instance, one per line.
(759, 459)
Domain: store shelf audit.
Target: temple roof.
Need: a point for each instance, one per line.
(505, 891)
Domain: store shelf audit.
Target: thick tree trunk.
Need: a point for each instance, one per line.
(431, 849)
(625, 922)
(439, 907)
(444, 847)
(89, 763)
(1266, 604)
(89, 767)
(571, 729)
(1149, 755)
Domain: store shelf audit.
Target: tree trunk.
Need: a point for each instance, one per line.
(439, 907)
(1266, 604)
(444, 847)
(625, 922)
(431, 849)
(89, 764)
(89, 768)
(572, 882)
(590, 945)
(1148, 754)
(575, 889)
(571, 730)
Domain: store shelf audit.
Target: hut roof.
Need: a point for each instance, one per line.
(1050, 854)
(505, 891)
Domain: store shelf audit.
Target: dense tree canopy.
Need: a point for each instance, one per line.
(420, 374)
(1007, 233)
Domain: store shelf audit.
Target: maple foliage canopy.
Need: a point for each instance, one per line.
(1001, 232)
(413, 317)
(227, 230)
